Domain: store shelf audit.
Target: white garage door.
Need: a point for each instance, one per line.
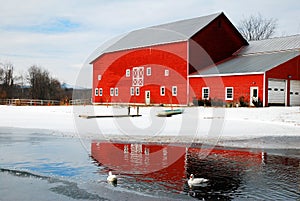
(295, 93)
(276, 92)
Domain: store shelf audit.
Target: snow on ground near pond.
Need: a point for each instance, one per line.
(195, 122)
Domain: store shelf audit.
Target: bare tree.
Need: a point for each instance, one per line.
(256, 27)
(43, 86)
(1, 73)
(6, 80)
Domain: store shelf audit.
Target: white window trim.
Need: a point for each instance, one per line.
(96, 92)
(116, 91)
(167, 73)
(226, 94)
(127, 74)
(112, 91)
(132, 91)
(203, 88)
(148, 71)
(162, 89)
(100, 91)
(174, 89)
(137, 91)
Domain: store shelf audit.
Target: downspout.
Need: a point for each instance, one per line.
(264, 90)
(187, 72)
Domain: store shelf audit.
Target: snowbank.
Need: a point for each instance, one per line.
(201, 124)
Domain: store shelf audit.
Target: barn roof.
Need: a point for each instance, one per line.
(272, 45)
(177, 31)
(161, 34)
(242, 64)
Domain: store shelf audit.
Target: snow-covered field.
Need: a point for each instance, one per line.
(198, 124)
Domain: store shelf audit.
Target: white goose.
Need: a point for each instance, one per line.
(112, 178)
(195, 181)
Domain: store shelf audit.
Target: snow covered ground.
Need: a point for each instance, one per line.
(222, 126)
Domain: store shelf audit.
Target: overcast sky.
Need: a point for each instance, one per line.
(60, 35)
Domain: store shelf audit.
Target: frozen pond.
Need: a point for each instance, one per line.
(43, 165)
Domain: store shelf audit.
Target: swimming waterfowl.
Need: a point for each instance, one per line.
(196, 181)
(112, 178)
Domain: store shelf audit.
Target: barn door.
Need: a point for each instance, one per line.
(295, 93)
(147, 97)
(253, 95)
(276, 92)
(138, 76)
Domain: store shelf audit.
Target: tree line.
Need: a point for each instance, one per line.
(37, 83)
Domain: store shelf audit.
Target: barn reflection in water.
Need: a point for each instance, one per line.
(166, 167)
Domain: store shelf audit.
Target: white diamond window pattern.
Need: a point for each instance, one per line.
(138, 76)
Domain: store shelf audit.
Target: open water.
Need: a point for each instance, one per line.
(44, 165)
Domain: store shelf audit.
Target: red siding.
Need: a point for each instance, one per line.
(283, 71)
(112, 68)
(219, 39)
(241, 85)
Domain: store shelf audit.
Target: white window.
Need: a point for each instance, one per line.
(138, 76)
(205, 93)
(99, 77)
(174, 90)
(166, 72)
(137, 91)
(162, 91)
(96, 92)
(112, 91)
(132, 91)
(148, 71)
(100, 92)
(127, 72)
(229, 93)
(116, 91)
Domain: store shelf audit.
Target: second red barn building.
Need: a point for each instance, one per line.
(197, 59)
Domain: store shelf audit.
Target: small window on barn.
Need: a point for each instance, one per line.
(127, 72)
(131, 91)
(281, 89)
(99, 77)
(296, 93)
(205, 93)
(167, 73)
(100, 92)
(137, 91)
(174, 90)
(270, 89)
(162, 91)
(148, 72)
(112, 91)
(96, 92)
(116, 91)
(229, 93)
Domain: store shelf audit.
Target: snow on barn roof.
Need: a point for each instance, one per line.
(272, 45)
(161, 34)
(250, 64)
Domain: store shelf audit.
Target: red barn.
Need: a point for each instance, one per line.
(200, 58)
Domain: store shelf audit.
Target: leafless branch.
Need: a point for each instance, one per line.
(256, 27)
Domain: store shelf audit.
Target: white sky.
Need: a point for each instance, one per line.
(59, 35)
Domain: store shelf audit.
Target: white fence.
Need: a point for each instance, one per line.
(36, 102)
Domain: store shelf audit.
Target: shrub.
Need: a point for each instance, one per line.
(243, 103)
(257, 103)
